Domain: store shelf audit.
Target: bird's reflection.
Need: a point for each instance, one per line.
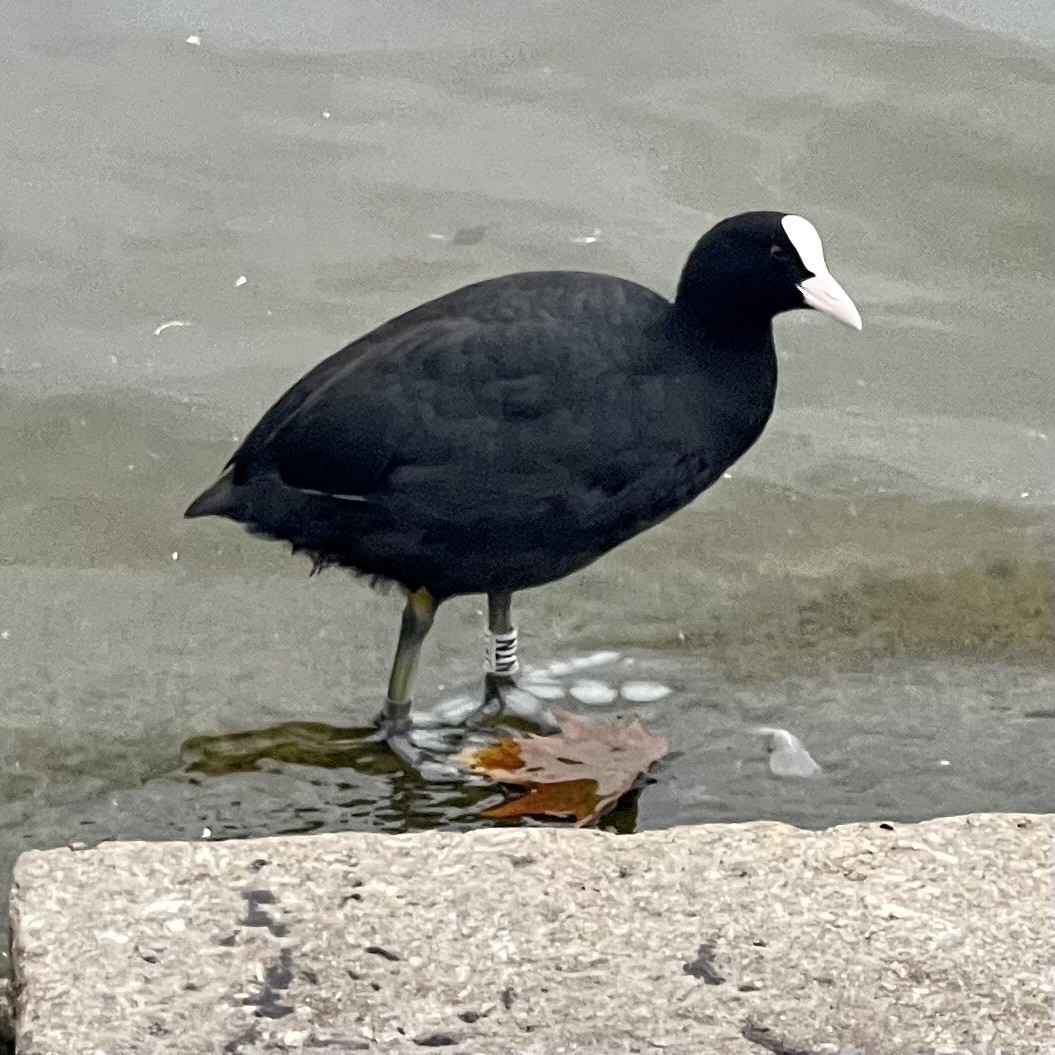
(295, 743)
(401, 799)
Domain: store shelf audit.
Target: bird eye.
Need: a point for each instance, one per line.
(778, 253)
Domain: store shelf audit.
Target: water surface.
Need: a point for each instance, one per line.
(875, 576)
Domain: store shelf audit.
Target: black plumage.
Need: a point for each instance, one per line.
(510, 432)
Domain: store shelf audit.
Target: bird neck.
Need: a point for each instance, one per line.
(725, 328)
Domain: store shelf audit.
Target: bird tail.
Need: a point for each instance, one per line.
(217, 500)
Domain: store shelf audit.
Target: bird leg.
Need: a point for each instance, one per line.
(420, 741)
(501, 693)
(428, 742)
(417, 620)
(502, 662)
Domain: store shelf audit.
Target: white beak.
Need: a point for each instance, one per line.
(823, 293)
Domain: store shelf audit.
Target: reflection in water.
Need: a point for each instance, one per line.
(394, 797)
(400, 800)
(299, 743)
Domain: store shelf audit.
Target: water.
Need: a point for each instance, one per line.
(875, 577)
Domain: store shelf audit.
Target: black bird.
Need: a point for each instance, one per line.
(511, 432)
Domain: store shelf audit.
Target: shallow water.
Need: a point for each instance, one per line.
(875, 577)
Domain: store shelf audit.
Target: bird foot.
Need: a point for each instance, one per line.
(503, 698)
(432, 753)
(430, 741)
(502, 691)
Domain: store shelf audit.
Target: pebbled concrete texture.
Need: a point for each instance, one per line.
(749, 938)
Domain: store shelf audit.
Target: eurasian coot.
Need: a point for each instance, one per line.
(513, 431)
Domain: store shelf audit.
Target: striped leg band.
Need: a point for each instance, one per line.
(502, 653)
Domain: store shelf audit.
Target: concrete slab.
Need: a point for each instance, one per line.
(865, 938)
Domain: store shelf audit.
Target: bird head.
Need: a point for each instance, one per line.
(753, 266)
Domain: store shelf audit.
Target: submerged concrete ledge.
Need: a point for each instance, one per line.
(747, 938)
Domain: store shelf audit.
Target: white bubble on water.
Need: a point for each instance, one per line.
(544, 690)
(644, 691)
(455, 711)
(595, 693)
(536, 674)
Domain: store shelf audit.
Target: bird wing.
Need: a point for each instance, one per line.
(501, 399)
(389, 342)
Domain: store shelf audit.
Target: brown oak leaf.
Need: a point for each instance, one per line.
(580, 771)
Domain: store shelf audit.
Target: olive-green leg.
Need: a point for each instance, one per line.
(417, 620)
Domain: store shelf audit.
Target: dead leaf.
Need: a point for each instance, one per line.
(504, 755)
(581, 771)
(577, 798)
